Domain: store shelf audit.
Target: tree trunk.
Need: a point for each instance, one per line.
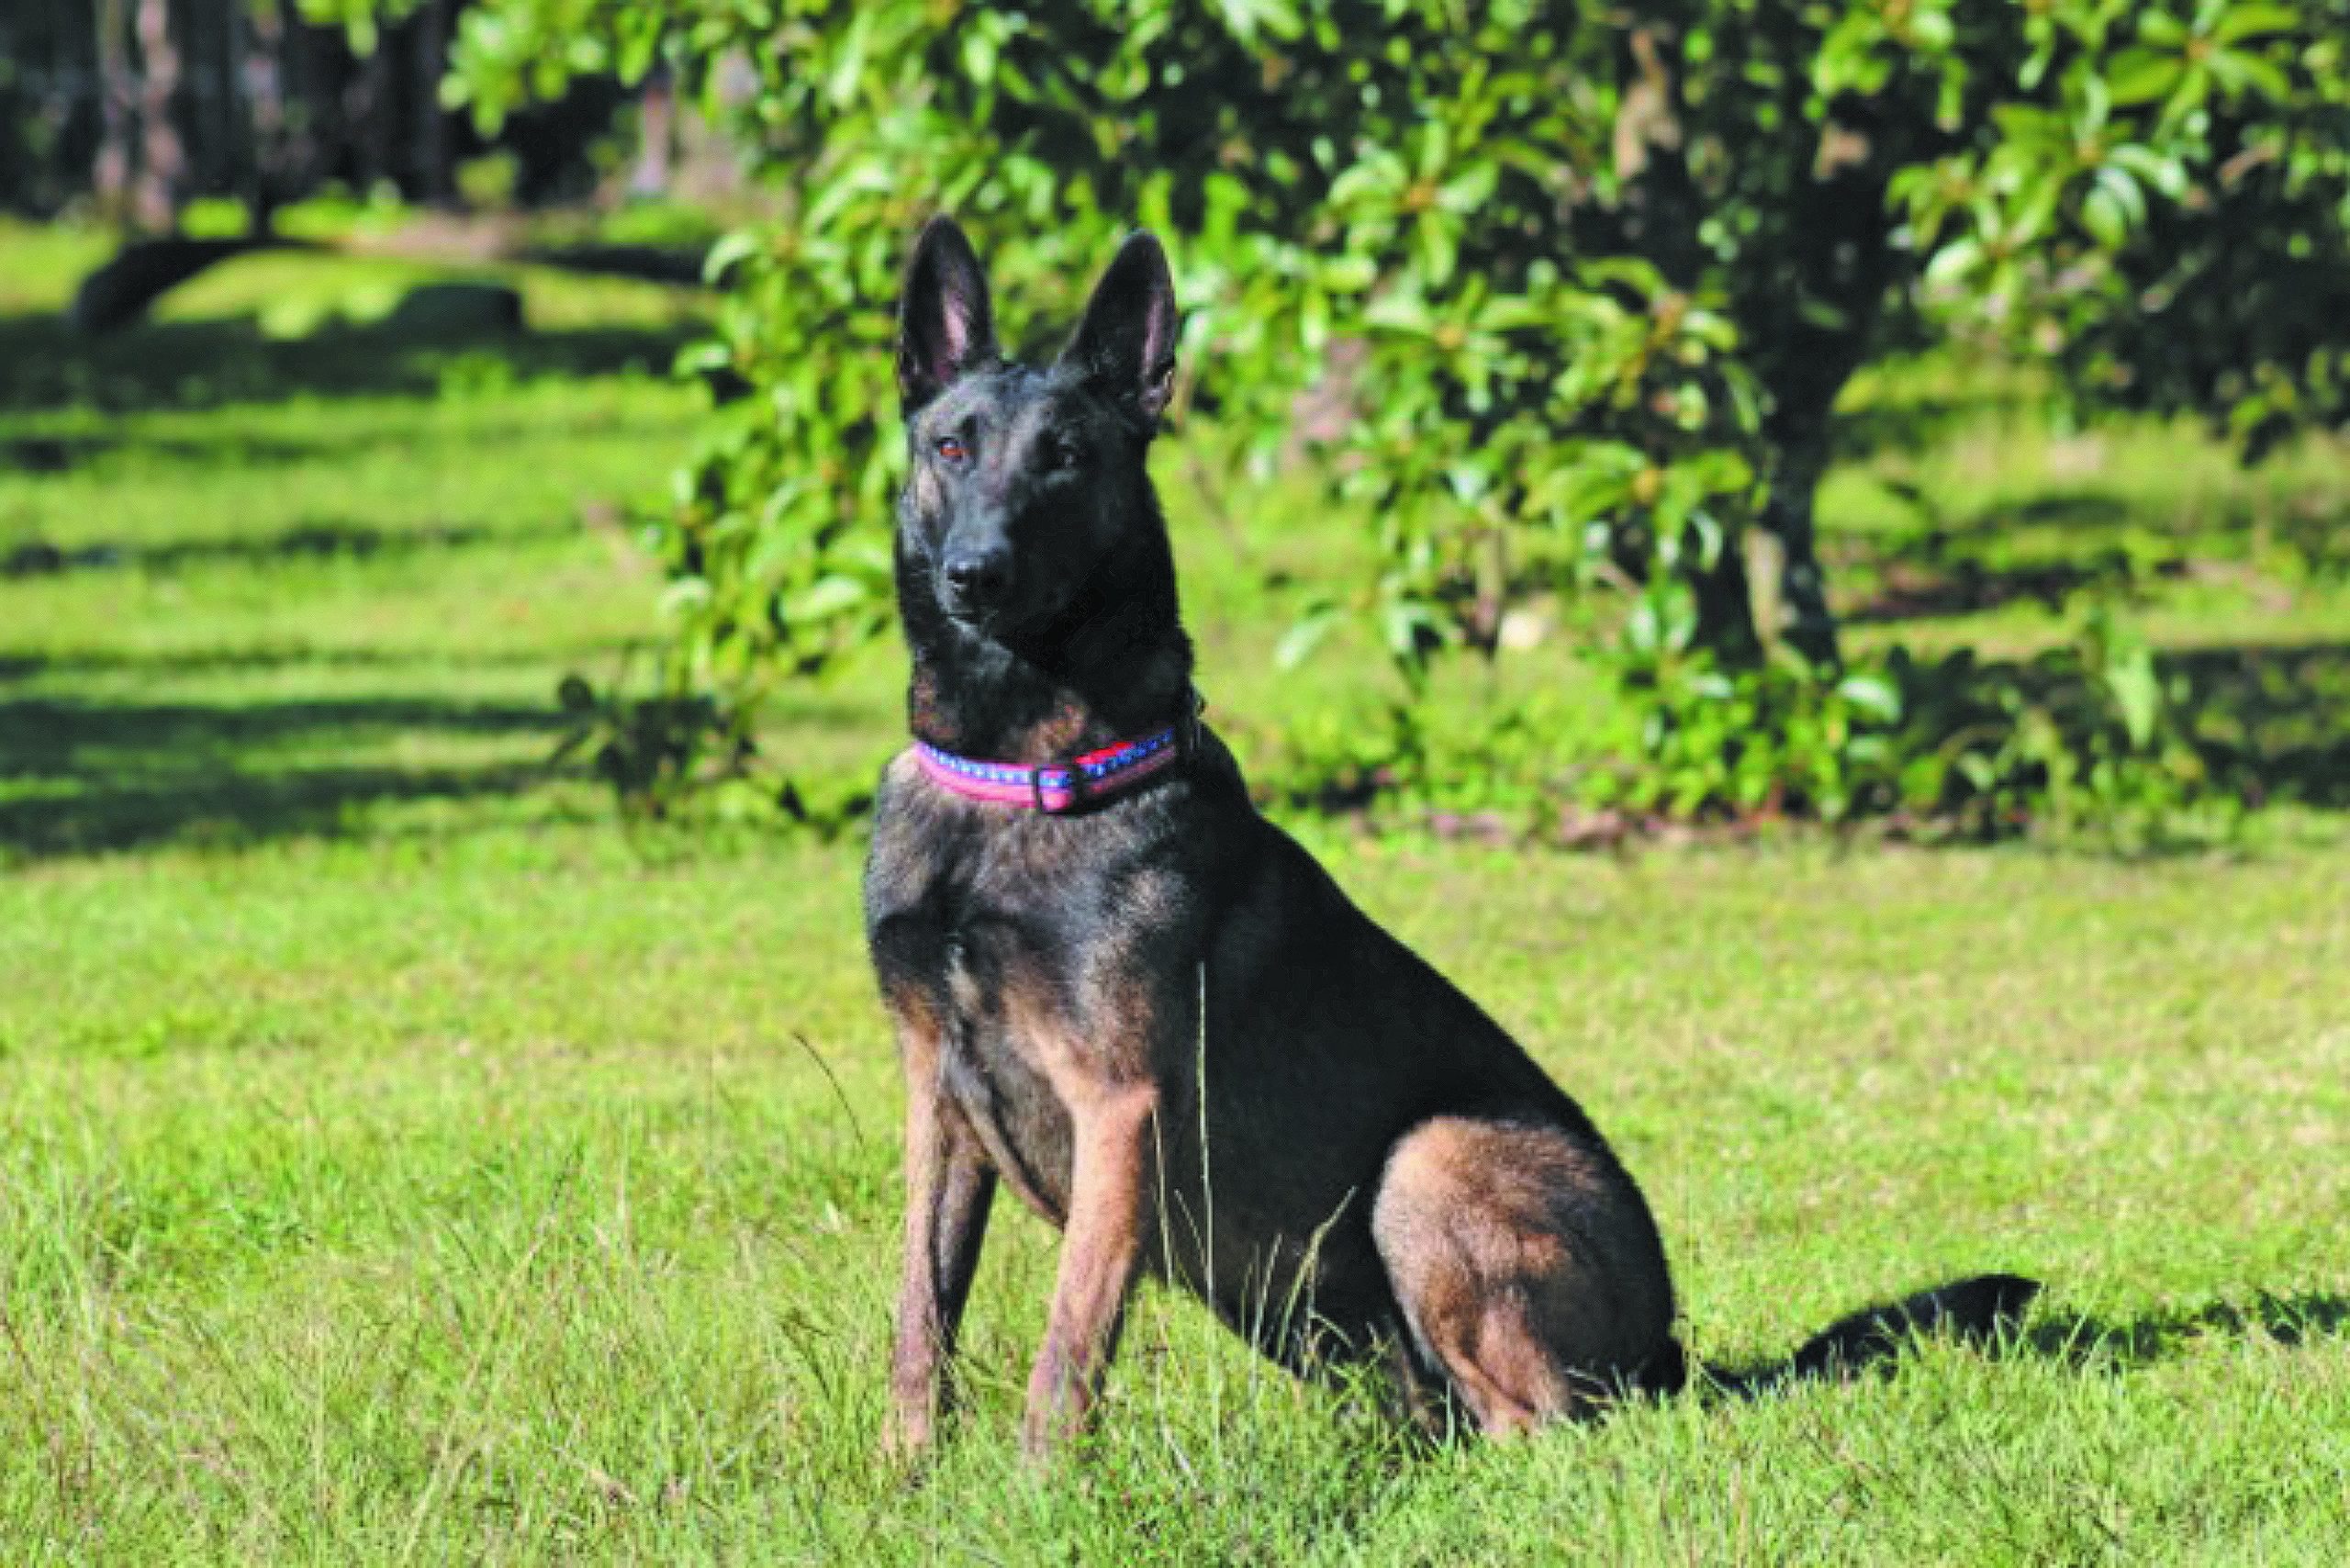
(1726, 622)
(1814, 324)
(1797, 612)
(212, 129)
(117, 85)
(657, 118)
(367, 118)
(162, 160)
(261, 86)
(429, 39)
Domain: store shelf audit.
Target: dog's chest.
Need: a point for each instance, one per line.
(989, 967)
(1006, 1061)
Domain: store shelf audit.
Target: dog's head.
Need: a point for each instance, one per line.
(1027, 493)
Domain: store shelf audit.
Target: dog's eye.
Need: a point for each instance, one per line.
(951, 448)
(1059, 453)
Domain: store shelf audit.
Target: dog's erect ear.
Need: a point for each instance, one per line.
(1125, 345)
(945, 325)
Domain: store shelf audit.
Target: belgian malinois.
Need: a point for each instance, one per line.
(1124, 994)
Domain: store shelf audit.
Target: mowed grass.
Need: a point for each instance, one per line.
(399, 1163)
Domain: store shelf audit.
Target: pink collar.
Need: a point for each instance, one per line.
(1057, 789)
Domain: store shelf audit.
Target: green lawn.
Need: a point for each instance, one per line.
(399, 1162)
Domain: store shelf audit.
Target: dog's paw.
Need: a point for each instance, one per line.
(907, 1448)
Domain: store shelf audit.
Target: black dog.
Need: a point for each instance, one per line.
(1124, 993)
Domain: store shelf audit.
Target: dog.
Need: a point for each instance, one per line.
(1120, 992)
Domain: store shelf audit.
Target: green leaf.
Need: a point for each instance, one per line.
(1872, 695)
(1308, 633)
(2240, 20)
(826, 598)
(730, 251)
(2235, 70)
(2142, 75)
(2106, 216)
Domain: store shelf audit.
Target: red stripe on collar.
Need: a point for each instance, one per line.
(1057, 789)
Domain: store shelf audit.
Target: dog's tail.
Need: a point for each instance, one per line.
(1977, 1311)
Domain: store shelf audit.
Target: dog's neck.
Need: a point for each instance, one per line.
(1114, 665)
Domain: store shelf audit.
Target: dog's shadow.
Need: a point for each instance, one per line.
(1994, 1315)
(2086, 1339)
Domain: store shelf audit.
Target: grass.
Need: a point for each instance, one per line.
(398, 1163)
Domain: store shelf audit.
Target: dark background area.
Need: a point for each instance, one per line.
(138, 107)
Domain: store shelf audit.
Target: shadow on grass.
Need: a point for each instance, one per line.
(2054, 545)
(262, 658)
(1983, 1311)
(1915, 423)
(1909, 592)
(62, 455)
(679, 265)
(48, 455)
(2086, 1339)
(44, 363)
(227, 808)
(1988, 1314)
(317, 540)
(143, 774)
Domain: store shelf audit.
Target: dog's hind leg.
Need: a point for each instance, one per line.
(1526, 1266)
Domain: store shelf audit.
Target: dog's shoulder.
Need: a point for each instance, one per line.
(913, 835)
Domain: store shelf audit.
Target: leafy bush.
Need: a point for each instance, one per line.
(1578, 290)
(2087, 741)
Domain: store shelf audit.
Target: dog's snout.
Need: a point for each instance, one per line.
(979, 578)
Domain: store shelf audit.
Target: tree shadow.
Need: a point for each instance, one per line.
(1909, 591)
(678, 265)
(146, 773)
(1947, 566)
(313, 541)
(45, 364)
(230, 809)
(265, 657)
(51, 455)
(2058, 544)
(1918, 423)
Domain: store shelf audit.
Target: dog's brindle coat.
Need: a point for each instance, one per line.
(1078, 998)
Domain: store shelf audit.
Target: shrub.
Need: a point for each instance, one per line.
(1608, 273)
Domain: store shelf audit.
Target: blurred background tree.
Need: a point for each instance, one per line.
(141, 106)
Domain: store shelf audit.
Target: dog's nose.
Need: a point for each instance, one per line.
(979, 576)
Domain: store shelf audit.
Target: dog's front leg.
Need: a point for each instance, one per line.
(1109, 1211)
(949, 1187)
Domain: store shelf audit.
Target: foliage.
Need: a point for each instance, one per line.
(2089, 740)
(2160, 201)
(2087, 734)
(1576, 293)
(1509, 405)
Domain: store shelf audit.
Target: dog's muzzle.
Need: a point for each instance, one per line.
(974, 584)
